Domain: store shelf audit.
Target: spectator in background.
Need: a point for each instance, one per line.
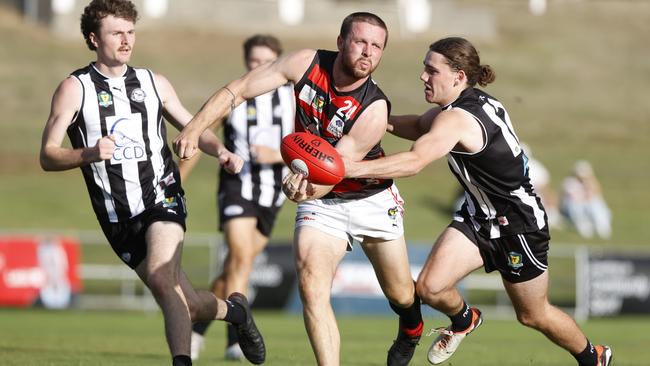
(540, 179)
(113, 114)
(583, 203)
(250, 201)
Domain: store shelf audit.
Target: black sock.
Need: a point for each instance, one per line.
(462, 320)
(201, 327)
(410, 318)
(235, 313)
(232, 334)
(588, 356)
(182, 360)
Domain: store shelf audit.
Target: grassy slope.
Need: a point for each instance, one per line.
(573, 81)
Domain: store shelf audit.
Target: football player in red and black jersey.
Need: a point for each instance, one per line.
(336, 99)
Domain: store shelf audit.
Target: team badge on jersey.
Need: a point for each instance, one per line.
(318, 103)
(138, 95)
(515, 260)
(105, 99)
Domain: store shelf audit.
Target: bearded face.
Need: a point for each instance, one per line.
(362, 49)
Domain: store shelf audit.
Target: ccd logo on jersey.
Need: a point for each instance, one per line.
(127, 148)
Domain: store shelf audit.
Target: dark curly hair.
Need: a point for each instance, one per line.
(98, 10)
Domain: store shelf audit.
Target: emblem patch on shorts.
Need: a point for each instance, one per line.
(515, 260)
(392, 212)
(170, 202)
(126, 257)
(233, 210)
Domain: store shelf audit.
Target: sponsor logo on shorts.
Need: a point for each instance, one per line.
(170, 202)
(167, 181)
(311, 216)
(392, 212)
(503, 221)
(126, 257)
(233, 210)
(515, 260)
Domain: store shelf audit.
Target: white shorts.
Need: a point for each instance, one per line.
(379, 216)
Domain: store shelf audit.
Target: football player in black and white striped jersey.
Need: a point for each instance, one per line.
(501, 226)
(250, 201)
(113, 114)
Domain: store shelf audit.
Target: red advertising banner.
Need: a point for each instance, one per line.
(38, 270)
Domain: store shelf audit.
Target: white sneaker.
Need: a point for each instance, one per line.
(234, 353)
(448, 341)
(197, 345)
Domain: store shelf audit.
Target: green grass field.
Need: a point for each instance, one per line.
(71, 338)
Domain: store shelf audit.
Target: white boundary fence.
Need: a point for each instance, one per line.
(592, 296)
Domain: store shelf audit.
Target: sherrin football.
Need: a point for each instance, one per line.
(312, 156)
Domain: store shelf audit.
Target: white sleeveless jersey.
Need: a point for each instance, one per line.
(141, 172)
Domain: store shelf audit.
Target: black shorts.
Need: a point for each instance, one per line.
(232, 205)
(518, 258)
(128, 238)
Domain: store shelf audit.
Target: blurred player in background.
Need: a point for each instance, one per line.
(113, 114)
(249, 202)
(502, 224)
(540, 179)
(583, 203)
(336, 99)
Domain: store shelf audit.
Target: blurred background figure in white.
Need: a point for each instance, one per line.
(540, 178)
(583, 203)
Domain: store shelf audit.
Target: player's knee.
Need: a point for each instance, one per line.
(311, 288)
(530, 320)
(241, 261)
(161, 284)
(429, 291)
(402, 296)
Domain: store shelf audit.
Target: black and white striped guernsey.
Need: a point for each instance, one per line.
(263, 120)
(498, 195)
(141, 172)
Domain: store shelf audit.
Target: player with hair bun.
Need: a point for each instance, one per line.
(501, 226)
